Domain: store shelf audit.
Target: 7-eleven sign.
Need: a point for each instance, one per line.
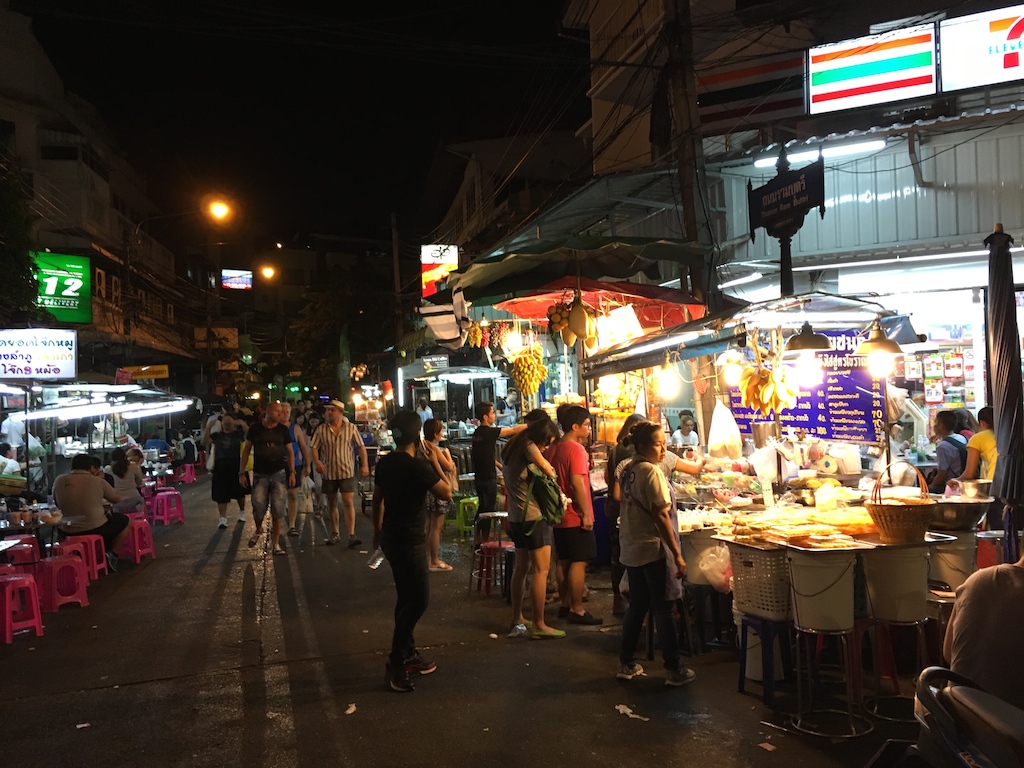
(982, 49)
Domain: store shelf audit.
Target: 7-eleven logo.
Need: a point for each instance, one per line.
(1012, 47)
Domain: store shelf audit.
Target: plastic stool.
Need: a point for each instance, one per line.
(768, 631)
(94, 544)
(19, 604)
(61, 579)
(26, 538)
(24, 556)
(185, 473)
(78, 549)
(167, 507)
(465, 512)
(139, 541)
(491, 565)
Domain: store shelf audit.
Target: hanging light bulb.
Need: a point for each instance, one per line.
(669, 383)
(807, 371)
(731, 364)
(880, 351)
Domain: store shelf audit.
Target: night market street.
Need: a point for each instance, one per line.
(217, 655)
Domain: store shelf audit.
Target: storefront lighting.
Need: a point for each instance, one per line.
(357, 400)
(389, 395)
(512, 344)
(828, 152)
(752, 277)
(898, 259)
(378, 404)
(669, 383)
(254, 396)
(176, 407)
(880, 351)
(807, 340)
(484, 322)
(731, 364)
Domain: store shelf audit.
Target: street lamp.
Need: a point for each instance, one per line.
(268, 272)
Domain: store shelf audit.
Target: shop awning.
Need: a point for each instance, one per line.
(496, 278)
(655, 307)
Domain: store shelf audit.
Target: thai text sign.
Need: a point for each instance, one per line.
(870, 70)
(38, 353)
(147, 371)
(848, 405)
(65, 286)
(788, 196)
(982, 49)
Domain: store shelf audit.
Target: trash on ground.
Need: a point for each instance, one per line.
(80, 726)
(493, 636)
(622, 709)
(767, 747)
(351, 709)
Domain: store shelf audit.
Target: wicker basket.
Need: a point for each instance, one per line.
(11, 485)
(901, 521)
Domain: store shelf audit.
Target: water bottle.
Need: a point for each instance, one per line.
(376, 559)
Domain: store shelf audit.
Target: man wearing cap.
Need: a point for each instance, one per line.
(334, 459)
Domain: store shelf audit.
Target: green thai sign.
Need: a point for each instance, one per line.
(65, 286)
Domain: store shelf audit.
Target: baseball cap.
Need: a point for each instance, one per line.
(336, 404)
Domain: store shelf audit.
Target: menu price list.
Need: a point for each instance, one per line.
(848, 405)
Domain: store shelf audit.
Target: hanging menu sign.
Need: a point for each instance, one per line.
(848, 405)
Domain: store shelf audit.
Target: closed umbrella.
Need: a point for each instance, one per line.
(1007, 391)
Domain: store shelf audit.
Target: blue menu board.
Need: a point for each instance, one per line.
(848, 405)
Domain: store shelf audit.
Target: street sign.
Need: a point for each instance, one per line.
(65, 286)
(148, 371)
(123, 376)
(784, 200)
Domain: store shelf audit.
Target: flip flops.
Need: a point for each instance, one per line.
(441, 567)
(550, 634)
(279, 551)
(255, 539)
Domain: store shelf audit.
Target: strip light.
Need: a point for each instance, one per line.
(741, 280)
(829, 152)
(177, 407)
(897, 260)
(128, 410)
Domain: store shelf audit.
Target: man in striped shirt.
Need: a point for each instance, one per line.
(334, 459)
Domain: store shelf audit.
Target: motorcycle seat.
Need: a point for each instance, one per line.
(991, 724)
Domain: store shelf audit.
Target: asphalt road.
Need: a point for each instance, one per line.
(218, 655)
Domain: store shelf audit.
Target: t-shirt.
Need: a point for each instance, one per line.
(80, 494)
(269, 447)
(158, 444)
(569, 458)
(127, 487)
(405, 481)
(644, 490)
(985, 443)
(484, 440)
(678, 438)
(951, 457)
(227, 449)
(9, 466)
(425, 414)
(14, 432)
(987, 628)
(515, 474)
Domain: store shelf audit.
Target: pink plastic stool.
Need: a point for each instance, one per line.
(26, 538)
(61, 579)
(185, 473)
(167, 508)
(79, 549)
(139, 542)
(6, 569)
(24, 556)
(491, 564)
(97, 560)
(19, 604)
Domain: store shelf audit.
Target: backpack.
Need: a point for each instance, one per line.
(961, 449)
(545, 491)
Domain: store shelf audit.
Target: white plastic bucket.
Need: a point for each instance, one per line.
(695, 544)
(754, 669)
(953, 562)
(897, 581)
(821, 590)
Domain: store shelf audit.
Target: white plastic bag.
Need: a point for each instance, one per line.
(211, 458)
(724, 441)
(717, 568)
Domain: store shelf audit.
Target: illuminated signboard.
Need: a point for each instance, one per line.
(65, 286)
(872, 70)
(982, 49)
(436, 262)
(38, 353)
(236, 279)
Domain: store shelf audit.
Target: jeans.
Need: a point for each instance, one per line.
(272, 491)
(487, 493)
(409, 568)
(647, 592)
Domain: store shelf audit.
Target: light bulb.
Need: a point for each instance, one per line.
(807, 371)
(378, 404)
(669, 384)
(881, 364)
(732, 372)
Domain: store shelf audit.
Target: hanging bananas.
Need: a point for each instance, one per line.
(767, 390)
(528, 370)
(475, 335)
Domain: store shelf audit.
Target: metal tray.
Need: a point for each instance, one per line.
(931, 537)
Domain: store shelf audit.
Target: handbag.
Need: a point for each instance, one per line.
(211, 457)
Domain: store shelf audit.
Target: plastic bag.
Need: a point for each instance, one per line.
(305, 499)
(36, 450)
(717, 568)
(211, 458)
(724, 441)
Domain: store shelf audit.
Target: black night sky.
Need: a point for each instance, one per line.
(316, 116)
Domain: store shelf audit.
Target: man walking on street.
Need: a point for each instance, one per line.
(399, 529)
(303, 460)
(333, 458)
(273, 473)
(485, 464)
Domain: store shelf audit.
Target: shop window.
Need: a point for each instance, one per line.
(99, 283)
(58, 153)
(93, 161)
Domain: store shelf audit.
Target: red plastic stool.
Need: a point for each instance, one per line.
(79, 549)
(61, 579)
(491, 565)
(19, 604)
(167, 508)
(26, 538)
(24, 556)
(185, 473)
(96, 552)
(139, 542)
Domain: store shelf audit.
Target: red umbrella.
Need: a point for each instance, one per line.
(655, 307)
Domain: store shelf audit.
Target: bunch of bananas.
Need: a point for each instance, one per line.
(528, 370)
(558, 317)
(766, 390)
(475, 335)
(358, 372)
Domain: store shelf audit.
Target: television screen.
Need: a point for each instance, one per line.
(236, 279)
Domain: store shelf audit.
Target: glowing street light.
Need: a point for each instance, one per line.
(268, 272)
(218, 210)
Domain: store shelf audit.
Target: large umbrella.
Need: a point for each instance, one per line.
(655, 307)
(1007, 391)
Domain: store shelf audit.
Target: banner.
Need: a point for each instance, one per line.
(737, 95)
(38, 353)
(982, 49)
(147, 371)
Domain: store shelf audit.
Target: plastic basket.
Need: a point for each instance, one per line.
(760, 582)
(901, 521)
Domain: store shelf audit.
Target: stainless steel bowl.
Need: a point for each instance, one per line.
(975, 488)
(957, 513)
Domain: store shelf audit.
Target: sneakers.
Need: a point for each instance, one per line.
(420, 665)
(518, 630)
(293, 531)
(629, 671)
(680, 676)
(585, 618)
(241, 516)
(353, 542)
(223, 523)
(334, 539)
(398, 679)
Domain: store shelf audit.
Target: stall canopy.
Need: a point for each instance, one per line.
(655, 307)
(490, 280)
(716, 333)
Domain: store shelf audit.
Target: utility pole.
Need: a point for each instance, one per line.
(399, 329)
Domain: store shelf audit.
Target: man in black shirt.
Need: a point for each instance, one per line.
(273, 472)
(401, 483)
(485, 474)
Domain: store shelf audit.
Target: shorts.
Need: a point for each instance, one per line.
(224, 486)
(575, 545)
(269, 492)
(109, 530)
(531, 536)
(348, 485)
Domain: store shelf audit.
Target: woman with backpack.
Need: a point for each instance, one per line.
(521, 457)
